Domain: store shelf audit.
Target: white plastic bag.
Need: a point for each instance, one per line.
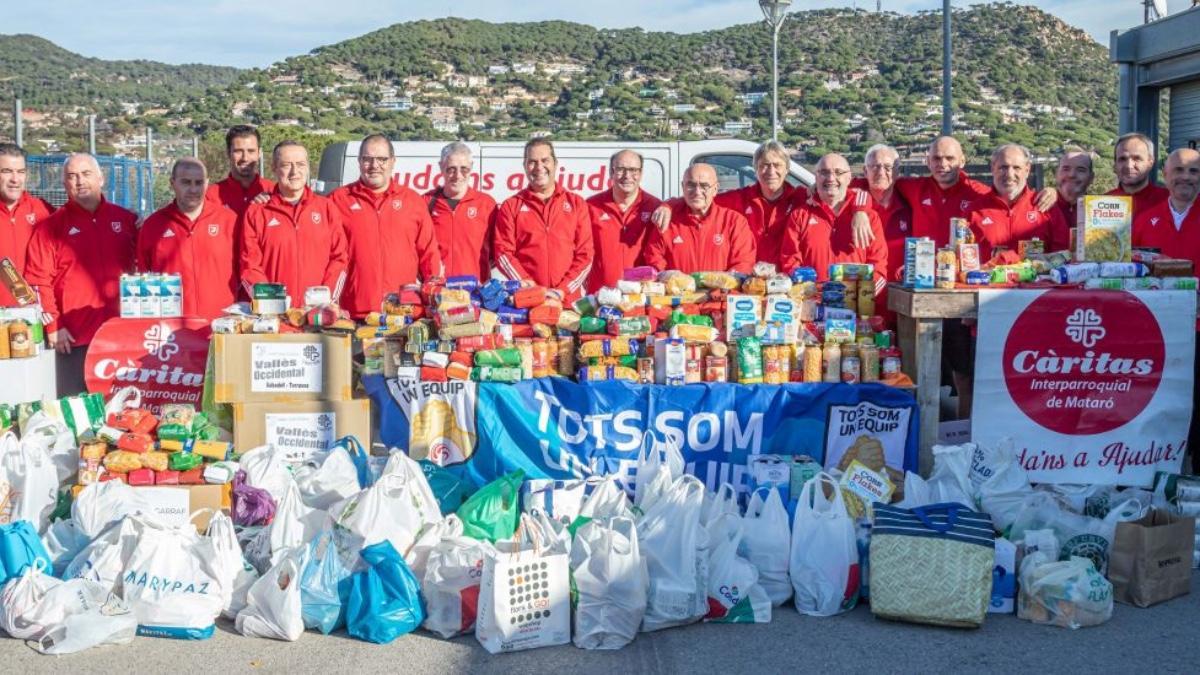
(607, 500)
(734, 594)
(104, 560)
(950, 480)
(54, 439)
(451, 585)
(328, 481)
(658, 465)
(767, 543)
(267, 468)
(101, 504)
(273, 604)
(916, 492)
(673, 542)
(400, 464)
(1078, 535)
(719, 503)
(125, 398)
(610, 578)
(396, 508)
(418, 556)
(236, 575)
(1001, 483)
(28, 483)
(63, 541)
(109, 622)
(824, 562)
(172, 583)
(1069, 593)
(19, 600)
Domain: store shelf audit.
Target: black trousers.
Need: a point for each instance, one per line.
(69, 372)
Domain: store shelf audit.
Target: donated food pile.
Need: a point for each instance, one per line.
(382, 546)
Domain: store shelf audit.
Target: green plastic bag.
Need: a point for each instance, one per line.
(492, 513)
(184, 461)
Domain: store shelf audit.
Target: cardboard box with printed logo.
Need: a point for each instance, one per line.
(175, 504)
(300, 429)
(281, 368)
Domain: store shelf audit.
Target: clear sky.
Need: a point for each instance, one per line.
(246, 33)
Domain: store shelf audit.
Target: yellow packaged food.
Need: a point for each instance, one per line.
(658, 300)
(719, 280)
(694, 334)
(122, 461)
(453, 297)
(695, 297)
(609, 347)
(592, 374)
(754, 286)
(170, 445)
(158, 461)
(719, 349)
(92, 449)
(632, 301)
(568, 320)
(676, 282)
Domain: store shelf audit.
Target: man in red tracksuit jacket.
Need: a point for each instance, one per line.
(1006, 215)
(620, 220)
(389, 234)
(1133, 160)
(947, 192)
(702, 236)
(20, 215)
(195, 238)
(296, 237)
(75, 262)
(1073, 177)
(464, 218)
(819, 231)
(766, 204)
(544, 233)
(238, 190)
(1173, 227)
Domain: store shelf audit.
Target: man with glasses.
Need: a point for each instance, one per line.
(389, 234)
(295, 237)
(75, 261)
(463, 217)
(22, 211)
(239, 189)
(620, 220)
(820, 231)
(894, 213)
(702, 236)
(544, 232)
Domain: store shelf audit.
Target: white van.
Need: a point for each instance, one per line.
(582, 166)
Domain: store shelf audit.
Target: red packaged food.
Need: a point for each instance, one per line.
(458, 371)
(478, 343)
(112, 476)
(135, 442)
(659, 313)
(545, 314)
(521, 330)
(433, 374)
(430, 288)
(528, 298)
(192, 476)
(135, 420)
(409, 295)
(463, 358)
(637, 310)
(167, 477)
(140, 477)
(689, 308)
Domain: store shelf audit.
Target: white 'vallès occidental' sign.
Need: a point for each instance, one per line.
(1092, 386)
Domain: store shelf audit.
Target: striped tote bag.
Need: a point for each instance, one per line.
(932, 564)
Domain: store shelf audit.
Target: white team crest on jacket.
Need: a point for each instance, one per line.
(1031, 216)
(566, 207)
(1154, 220)
(116, 226)
(604, 217)
(645, 216)
(355, 207)
(964, 205)
(718, 239)
(677, 240)
(472, 212)
(213, 229)
(812, 221)
(927, 202)
(904, 226)
(396, 204)
(30, 218)
(316, 218)
(986, 221)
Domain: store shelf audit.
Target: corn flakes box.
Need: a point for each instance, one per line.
(1104, 228)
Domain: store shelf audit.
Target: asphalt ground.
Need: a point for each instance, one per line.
(1160, 639)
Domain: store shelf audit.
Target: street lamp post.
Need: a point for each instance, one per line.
(775, 11)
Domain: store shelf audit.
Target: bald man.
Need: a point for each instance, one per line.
(702, 236)
(819, 231)
(195, 238)
(1073, 177)
(1173, 227)
(75, 261)
(620, 220)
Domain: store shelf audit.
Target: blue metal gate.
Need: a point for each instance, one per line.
(127, 182)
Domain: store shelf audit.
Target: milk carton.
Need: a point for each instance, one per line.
(171, 298)
(131, 296)
(919, 262)
(150, 295)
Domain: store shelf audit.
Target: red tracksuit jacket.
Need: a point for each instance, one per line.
(618, 237)
(16, 229)
(299, 245)
(390, 239)
(1143, 200)
(767, 219)
(932, 207)
(75, 262)
(548, 243)
(1155, 228)
(995, 222)
(230, 193)
(203, 253)
(464, 233)
(817, 237)
(721, 241)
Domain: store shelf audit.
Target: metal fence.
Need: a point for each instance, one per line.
(127, 182)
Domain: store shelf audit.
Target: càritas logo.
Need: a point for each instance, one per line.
(160, 342)
(1083, 363)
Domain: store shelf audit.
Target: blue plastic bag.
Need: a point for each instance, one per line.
(385, 598)
(450, 488)
(324, 586)
(20, 547)
(361, 459)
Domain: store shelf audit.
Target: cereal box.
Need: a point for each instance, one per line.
(1102, 232)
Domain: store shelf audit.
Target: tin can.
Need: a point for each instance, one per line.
(645, 370)
(851, 369)
(890, 362)
(716, 369)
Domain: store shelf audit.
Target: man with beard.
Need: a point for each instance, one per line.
(238, 190)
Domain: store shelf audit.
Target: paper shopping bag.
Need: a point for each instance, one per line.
(524, 598)
(1151, 559)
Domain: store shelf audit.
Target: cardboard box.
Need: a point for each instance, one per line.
(742, 314)
(31, 379)
(300, 429)
(281, 368)
(1104, 229)
(176, 503)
